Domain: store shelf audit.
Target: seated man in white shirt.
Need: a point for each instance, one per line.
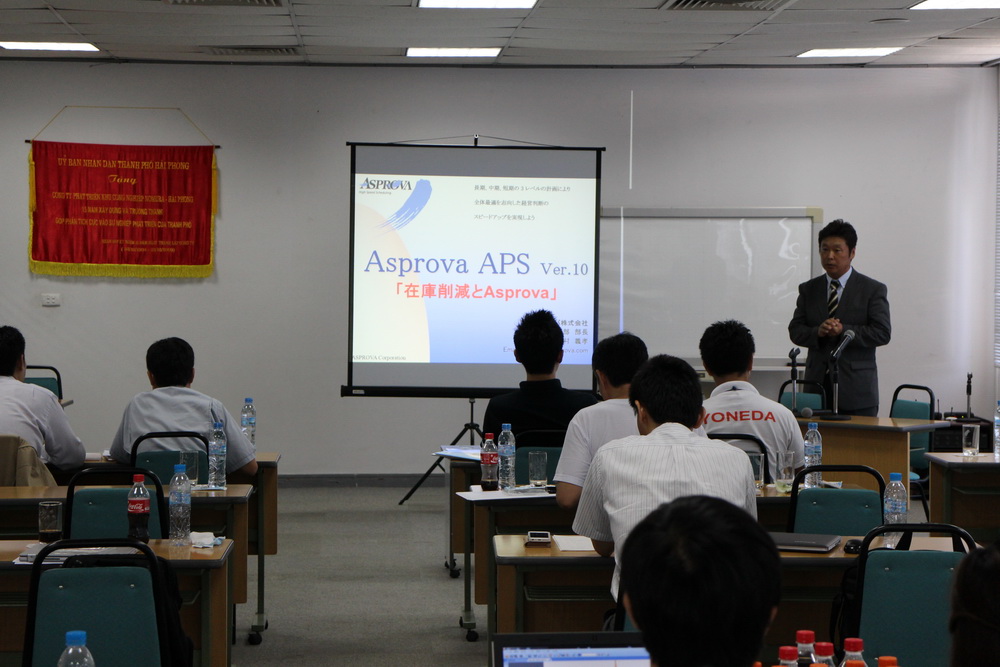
(701, 580)
(33, 412)
(615, 361)
(735, 406)
(631, 477)
(172, 405)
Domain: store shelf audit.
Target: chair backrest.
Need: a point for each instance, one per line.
(905, 596)
(540, 437)
(124, 633)
(521, 462)
(163, 466)
(900, 408)
(20, 465)
(808, 394)
(49, 377)
(835, 511)
(100, 512)
(748, 443)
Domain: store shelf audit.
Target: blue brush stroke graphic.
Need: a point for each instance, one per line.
(411, 207)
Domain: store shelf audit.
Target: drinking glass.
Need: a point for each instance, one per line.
(786, 472)
(538, 468)
(970, 439)
(49, 520)
(757, 463)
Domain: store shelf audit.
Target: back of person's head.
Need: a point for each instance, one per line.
(171, 361)
(702, 579)
(11, 349)
(668, 389)
(619, 357)
(538, 340)
(975, 609)
(727, 348)
(844, 230)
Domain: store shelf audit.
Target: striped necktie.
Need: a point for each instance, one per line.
(834, 300)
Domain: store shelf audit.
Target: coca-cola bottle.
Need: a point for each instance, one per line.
(489, 459)
(138, 509)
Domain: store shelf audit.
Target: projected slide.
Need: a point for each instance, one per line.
(452, 245)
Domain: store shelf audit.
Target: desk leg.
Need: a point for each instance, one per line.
(216, 616)
(491, 605)
(449, 553)
(260, 620)
(468, 619)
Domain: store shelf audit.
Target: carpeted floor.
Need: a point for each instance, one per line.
(359, 580)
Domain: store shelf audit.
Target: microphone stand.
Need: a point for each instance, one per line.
(795, 380)
(835, 382)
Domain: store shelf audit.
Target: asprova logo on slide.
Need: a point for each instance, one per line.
(419, 195)
(386, 184)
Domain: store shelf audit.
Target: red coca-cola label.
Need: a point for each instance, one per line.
(138, 505)
(489, 458)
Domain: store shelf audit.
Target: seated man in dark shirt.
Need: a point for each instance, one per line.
(541, 402)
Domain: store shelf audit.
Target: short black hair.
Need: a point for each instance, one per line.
(171, 361)
(726, 348)
(975, 609)
(844, 230)
(11, 349)
(538, 340)
(619, 357)
(669, 389)
(696, 570)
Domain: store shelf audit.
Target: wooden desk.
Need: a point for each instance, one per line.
(202, 571)
(965, 491)
(880, 442)
(210, 510)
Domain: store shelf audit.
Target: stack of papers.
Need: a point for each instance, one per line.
(28, 555)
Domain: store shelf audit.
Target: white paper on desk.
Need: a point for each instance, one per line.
(573, 543)
(464, 453)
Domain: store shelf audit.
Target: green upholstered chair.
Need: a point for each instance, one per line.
(808, 395)
(521, 462)
(920, 442)
(100, 512)
(829, 511)
(747, 443)
(115, 604)
(45, 376)
(905, 595)
(161, 461)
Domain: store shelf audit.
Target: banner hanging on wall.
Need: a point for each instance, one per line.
(122, 211)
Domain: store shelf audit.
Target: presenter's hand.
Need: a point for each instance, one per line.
(831, 327)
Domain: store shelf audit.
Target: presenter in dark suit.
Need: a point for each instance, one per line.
(840, 301)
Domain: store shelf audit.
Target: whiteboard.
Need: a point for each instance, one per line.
(667, 274)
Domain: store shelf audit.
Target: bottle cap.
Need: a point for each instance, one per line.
(139, 477)
(813, 425)
(248, 400)
(788, 653)
(489, 436)
(216, 424)
(895, 477)
(854, 644)
(823, 648)
(805, 637)
(505, 427)
(180, 467)
(887, 661)
(76, 638)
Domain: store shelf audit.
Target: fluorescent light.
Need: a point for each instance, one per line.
(48, 46)
(958, 4)
(477, 4)
(453, 53)
(873, 52)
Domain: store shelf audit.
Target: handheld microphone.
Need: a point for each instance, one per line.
(844, 342)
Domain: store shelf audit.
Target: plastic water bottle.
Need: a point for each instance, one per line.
(805, 639)
(505, 448)
(788, 656)
(814, 454)
(248, 421)
(854, 647)
(489, 462)
(180, 507)
(217, 457)
(824, 654)
(895, 508)
(138, 509)
(76, 653)
(996, 432)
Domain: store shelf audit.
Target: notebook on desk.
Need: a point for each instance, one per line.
(569, 649)
(805, 542)
(60, 556)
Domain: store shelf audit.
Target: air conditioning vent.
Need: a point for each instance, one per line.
(228, 3)
(731, 5)
(257, 51)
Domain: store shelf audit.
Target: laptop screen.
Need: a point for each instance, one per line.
(570, 649)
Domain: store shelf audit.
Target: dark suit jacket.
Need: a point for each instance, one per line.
(864, 308)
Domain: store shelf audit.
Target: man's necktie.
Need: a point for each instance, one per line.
(834, 300)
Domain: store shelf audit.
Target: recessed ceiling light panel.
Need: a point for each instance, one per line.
(476, 4)
(452, 53)
(48, 46)
(871, 52)
(958, 4)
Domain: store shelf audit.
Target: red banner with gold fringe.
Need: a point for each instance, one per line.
(126, 211)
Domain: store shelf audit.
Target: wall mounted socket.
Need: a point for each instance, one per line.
(51, 299)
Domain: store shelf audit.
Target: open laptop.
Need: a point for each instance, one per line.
(569, 649)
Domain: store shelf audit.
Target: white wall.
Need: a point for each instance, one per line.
(908, 155)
